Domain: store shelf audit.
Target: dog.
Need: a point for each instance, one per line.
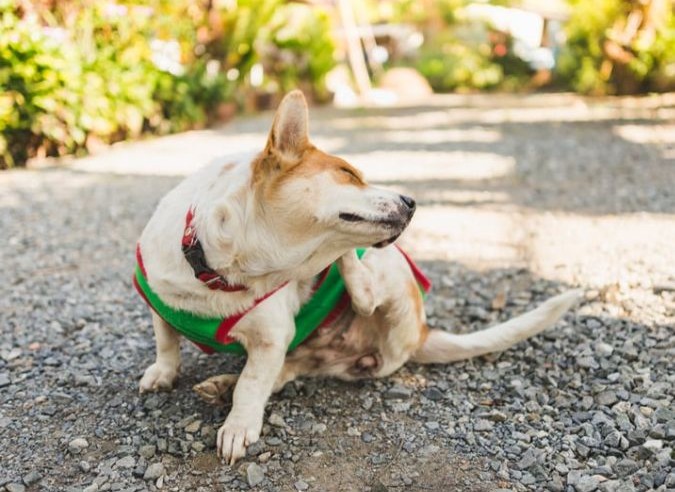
(266, 257)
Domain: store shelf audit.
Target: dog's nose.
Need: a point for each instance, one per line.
(409, 202)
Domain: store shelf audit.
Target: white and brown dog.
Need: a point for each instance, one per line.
(235, 256)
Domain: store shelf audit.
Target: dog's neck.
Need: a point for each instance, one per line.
(242, 246)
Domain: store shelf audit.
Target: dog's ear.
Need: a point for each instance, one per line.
(289, 136)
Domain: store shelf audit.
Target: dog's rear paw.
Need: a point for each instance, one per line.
(216, 389)
(158, 377)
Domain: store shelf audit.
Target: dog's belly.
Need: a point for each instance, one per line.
(349, 348)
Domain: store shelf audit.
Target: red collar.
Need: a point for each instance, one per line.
(194, 254)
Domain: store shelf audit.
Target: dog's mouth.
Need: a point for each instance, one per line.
(386, 242)
(395, 224)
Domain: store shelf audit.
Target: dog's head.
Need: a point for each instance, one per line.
(318, 205)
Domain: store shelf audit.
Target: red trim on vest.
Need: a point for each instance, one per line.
(223, 333)
(228, 324)
(422, 279)
(339, 308)
(139, 260)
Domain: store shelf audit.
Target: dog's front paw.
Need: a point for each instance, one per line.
(158, 377)
(216, 389)
(235, 436)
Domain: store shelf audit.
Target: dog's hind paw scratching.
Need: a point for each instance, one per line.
(216, 389)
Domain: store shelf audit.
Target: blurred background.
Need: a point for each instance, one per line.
(78, 75)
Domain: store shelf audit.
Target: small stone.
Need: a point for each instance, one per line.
(91, 488)
(625, 467)
(587, 362)
(84, 466)
(653, 444)
(319, 428)
(613, 439)
(367, 437)
(4, 380)
(353, 431)
(198, 446)
(529, 458)
(264, 457)
(277, 420)
(76, 446)
(15, 487)
(147, 451)
(433, 394)
(256, 448)
(126, 462)
(193, 426)
(497, 416)
(154, 471)
(670, 480)
(483, 425)
(31, 477)
(301, 485)
(273, 441)
(254, 474)
(603, 349)
(432, 425)
(398, 392)
(586, 483)
(606, 398)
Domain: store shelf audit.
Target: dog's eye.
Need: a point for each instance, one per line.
(351, 173)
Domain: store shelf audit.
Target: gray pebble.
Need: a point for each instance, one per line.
(4, 379)
(31, 477)
(301, 485)
(606, 398)
(147, 451)
(482, 425)
(367, 437)
(398, 392)
(625, 467)
(433, 394)
(76, 446)
(153, 471)
(254, 474)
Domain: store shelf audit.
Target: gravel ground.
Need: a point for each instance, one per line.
(517, 203)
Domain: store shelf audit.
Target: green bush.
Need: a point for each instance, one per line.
(452, 63)
(298, 47)
(585, 64)
(73, 74)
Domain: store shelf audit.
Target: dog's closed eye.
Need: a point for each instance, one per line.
(351, 217)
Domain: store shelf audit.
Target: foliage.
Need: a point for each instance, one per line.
(597, 59)
(299, 47)
(461, 55)
(76, 73)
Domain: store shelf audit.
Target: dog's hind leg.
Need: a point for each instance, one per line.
(217, 389)
(161, 375)
(360, 284)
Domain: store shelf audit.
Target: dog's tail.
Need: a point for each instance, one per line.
(441, 347)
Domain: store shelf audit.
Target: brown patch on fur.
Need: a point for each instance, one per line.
(316, 161)
(271, 170)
